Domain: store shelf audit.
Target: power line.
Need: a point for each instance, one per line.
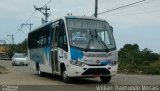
(31, 17)
(22, 32)
(46, 14)
(36, 10)
(3, 34)
(122, 7)
(136, 13)
(21, 28)
(12, 36)
(46, 3)
(27, 24)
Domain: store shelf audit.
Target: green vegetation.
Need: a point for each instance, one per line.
(21, 48)
(136, 61)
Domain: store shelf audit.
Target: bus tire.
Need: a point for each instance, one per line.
(66, 79)
(105, 79)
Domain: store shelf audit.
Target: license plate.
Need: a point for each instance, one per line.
(96, 75)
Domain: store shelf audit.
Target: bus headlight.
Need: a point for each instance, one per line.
(77, 63)
(81, 64)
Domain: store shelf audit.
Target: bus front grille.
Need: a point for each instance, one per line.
(92, 71)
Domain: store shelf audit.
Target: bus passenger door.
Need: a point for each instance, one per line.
(59, 46)
(54, 50)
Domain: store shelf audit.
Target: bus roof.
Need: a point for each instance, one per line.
(69, 17)
(43, 25)
(84, 17)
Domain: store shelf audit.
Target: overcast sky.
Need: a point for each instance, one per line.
(139, 23)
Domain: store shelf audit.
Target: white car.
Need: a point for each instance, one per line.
(19, 59)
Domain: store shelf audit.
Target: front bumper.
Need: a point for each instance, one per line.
(91, 71)
(20, 63)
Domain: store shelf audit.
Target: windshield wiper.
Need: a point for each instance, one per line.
(90, 40)
(101, 41)
(96, 36)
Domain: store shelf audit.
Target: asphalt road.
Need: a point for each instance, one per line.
(24, 78)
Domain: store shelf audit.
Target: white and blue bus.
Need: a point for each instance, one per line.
(74, 46)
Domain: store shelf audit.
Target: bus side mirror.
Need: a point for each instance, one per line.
(111, 28)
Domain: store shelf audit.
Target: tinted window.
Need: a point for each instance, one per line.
(39, 38)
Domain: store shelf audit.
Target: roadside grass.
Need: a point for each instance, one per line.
(151, 69)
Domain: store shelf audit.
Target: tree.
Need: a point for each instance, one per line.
(133, 60)
(129, 53)
(21, 48)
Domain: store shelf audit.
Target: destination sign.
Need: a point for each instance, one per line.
(86, 24)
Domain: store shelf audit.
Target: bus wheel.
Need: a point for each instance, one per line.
(105, 79)
(66, 79)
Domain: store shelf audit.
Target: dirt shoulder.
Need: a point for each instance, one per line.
(3, 70)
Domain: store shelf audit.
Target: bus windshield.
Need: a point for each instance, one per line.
(90, 34)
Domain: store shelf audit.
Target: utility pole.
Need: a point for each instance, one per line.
(45, 13)
(12, 36)
(96, 8)
(30, 26)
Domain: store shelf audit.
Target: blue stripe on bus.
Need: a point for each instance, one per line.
(105, 62)
(76, 54)
(47, 54)
(36, 58)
